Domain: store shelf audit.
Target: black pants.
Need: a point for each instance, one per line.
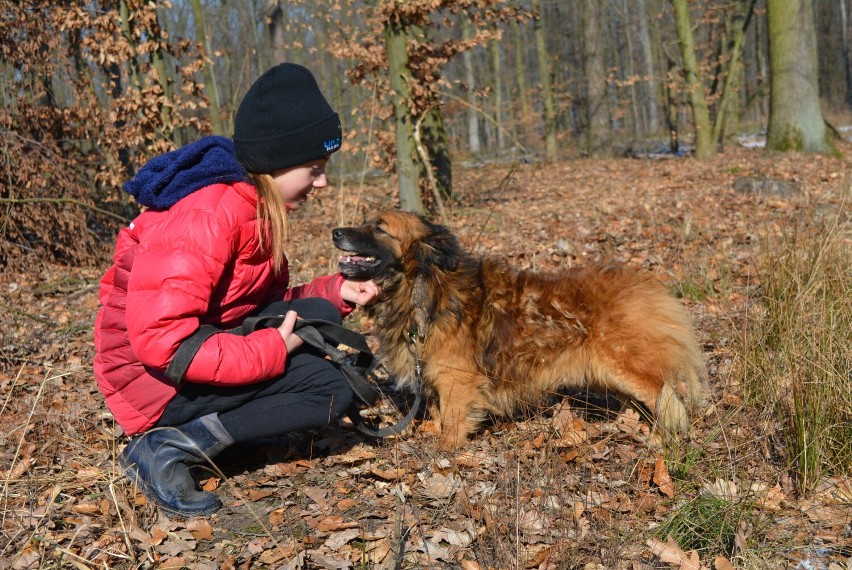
(311, 393)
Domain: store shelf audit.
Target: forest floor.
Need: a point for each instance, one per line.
(564, 487)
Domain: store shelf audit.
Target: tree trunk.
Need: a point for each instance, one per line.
(651, 119)
(497, 70)
(434, 135)
(396, 36)
(212, 89)
(742, 16)
(473, 140)
(844, 35)
(523, 96)
(548, 100)
(597, 108)
(705, 146)
(126, 16)
(795, 118)
(275, 15)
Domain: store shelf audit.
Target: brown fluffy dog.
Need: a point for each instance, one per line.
(491, 338)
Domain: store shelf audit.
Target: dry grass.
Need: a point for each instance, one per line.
(795, 350)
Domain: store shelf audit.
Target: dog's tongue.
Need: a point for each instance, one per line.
(352, 258)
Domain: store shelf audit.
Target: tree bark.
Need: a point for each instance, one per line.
(705, 146)
(497, 70)
(520, 69)
(396, 36)
(434, 136)
(597, 107)
(470, 81)
(651, 119)
(548, 100)
(742, 16)
(212, 90)
(795, 119)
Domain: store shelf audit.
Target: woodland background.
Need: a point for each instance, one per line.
(701, 140)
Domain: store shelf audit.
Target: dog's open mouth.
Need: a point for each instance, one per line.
(354, 260)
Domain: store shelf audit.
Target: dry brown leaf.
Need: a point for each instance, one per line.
(356, 455)
(275, 555)
(336, 541)
(721, 488)
(542, 556)
(670, 553)
(19, 469)
(158, 535)
(388, 474)
(200, 529)
(439, 486)
(378, 550)
(317, 495)
(258, 494)
(86, 508)
(467, 459)
(722, 563)
(772, 498)
(88, 474)
(662, 478)
(346, 504)
(563, 417)
(210, 484)
(470, 565)
(277, 517)
(173, 563)
(631, 423)
(334, 523)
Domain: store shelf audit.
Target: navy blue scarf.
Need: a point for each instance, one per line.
(169, 177)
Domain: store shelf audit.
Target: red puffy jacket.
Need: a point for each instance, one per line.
(198, 262)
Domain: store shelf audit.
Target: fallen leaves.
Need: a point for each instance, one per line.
(566, 484)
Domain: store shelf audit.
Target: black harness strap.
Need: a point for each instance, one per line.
(186, 352)
(323, 336)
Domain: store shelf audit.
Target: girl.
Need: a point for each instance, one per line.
(209, 249)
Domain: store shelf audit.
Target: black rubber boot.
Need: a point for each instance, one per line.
(158, 462)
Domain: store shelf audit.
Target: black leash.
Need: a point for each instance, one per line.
(323, 336)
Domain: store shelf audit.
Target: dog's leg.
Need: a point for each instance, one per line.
(458, 412)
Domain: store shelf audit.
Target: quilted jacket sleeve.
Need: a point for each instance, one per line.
(327, 287)
(169, 291)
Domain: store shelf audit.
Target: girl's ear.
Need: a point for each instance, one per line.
(440, 248)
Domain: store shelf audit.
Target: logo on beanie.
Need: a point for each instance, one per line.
(331, 145)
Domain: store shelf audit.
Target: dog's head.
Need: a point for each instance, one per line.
(395, 242)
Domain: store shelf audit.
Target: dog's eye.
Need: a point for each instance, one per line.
(380, 230)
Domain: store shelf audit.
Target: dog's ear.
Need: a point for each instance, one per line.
(439, 248)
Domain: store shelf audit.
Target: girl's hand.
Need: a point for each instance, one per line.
(291, 339)
(359, 292)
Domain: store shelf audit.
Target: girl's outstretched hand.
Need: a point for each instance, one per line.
(359, 292)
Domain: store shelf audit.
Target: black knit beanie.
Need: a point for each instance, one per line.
(284, 121)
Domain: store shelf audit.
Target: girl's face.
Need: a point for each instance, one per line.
(297, 182)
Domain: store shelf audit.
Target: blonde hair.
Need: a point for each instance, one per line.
(273, 228)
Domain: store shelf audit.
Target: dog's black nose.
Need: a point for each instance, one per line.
(336, 233)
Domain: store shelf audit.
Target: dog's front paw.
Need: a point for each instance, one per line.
(430, 427)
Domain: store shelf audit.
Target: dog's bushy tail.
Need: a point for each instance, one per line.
(684, 390)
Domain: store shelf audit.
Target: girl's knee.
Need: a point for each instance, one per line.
(317, 308)
(308, 308)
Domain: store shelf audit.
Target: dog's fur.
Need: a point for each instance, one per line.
(491, 338)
